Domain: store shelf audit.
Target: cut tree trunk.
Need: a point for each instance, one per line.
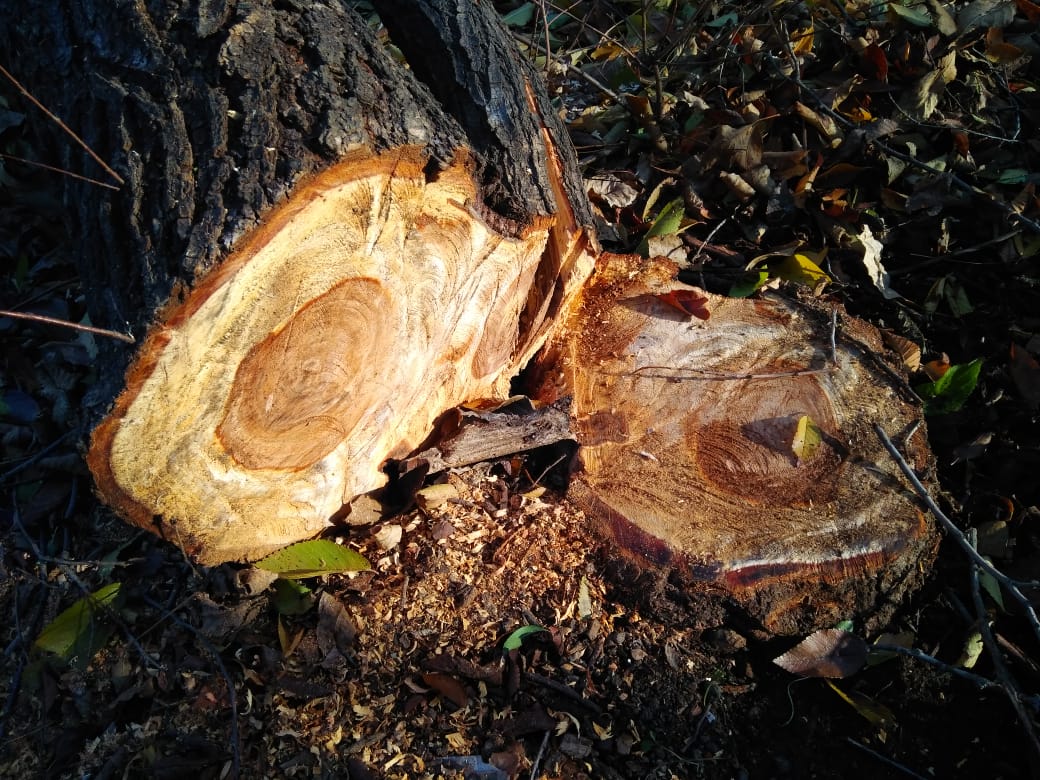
(687, 429)
(324, 255)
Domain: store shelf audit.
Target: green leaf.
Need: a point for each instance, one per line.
(949, 392)
(516, 639)
(807, 438)
(748, 284)
(291, 597)
(313, 559)
(973, 647)
(520, 17)
(667, 223)
(81, 630)
(1013, 176)
(875, 712)
(916, 14)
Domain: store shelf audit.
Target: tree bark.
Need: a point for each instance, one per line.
(323, 251)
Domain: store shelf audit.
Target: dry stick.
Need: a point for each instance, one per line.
(980, 682)
(59, 170)
(1011, 585)
(236, 742)
(1007, 682)
(885, 759)
(14, 685)
(528, 41)
(538, 758)
(16, 315)
(70, 573)
(62, 125)
(33, 459)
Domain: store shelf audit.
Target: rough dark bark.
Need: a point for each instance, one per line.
(212, 111)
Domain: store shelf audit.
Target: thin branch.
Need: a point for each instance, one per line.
(541, 753)
(16, 315)
(885, 759)
(32, 459)
(1007, 682)
(1012, 586)
(74, 578)
(62, 125)
(59, 170)
(712, 376)
(528, 41)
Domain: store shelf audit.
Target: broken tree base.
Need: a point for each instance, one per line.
(369, 303)
(687, 460)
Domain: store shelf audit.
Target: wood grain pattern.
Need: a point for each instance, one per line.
(331, 340)
(687, 426)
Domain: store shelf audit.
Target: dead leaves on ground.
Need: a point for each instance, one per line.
(897, 125)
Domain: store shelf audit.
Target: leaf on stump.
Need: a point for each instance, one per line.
(807, 438)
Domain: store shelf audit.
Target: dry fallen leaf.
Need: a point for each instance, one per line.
(448, 687)
(829, 652)
(907, 350)
(872, 249)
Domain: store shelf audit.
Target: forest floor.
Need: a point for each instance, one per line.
(893, 146)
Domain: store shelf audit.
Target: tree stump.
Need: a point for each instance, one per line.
(324, 250)
(687, 430)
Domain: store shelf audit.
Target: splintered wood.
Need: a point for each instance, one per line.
(365, 306)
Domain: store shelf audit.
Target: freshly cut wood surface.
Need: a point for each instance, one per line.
(687, 427)
(331, 339)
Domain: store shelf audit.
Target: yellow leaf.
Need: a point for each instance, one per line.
(807, 438)
(878, 714)
(802, 40)
(800, 268)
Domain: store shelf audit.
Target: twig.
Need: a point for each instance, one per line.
(32, 459)
(62, 171)
(980, 682)
(565, 691)
(1006, 681)
(834, 336)
(571, 69)
(14, 685)
(538, 758)
(1012, 586)
(236, 742)
(707, 242)
(62, 125)
(885, 759)
(712, 376)
(74, 578)
(17, 315)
